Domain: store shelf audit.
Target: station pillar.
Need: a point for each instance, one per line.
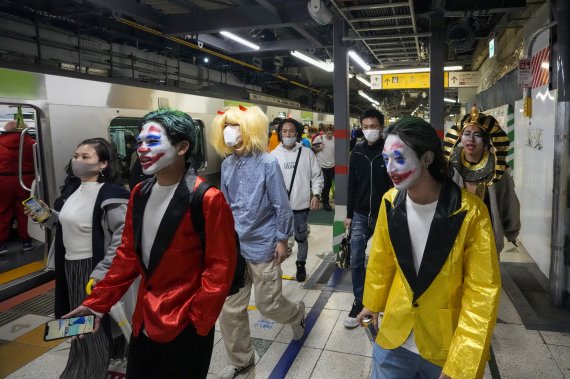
(341, 129)
(558, 275)
(436, 57)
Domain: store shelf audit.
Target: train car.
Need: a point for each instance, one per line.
(59, 112)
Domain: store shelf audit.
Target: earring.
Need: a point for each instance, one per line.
(101, 173)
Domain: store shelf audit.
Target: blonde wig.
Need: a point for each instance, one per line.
(252, 123)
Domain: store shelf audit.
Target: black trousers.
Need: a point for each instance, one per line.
(328, 175)
(187, 356)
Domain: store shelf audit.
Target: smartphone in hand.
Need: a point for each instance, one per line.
(69, 327)
(33, 205)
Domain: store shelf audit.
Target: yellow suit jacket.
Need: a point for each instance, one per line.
(452, 302)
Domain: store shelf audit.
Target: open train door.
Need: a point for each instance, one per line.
(24, 258)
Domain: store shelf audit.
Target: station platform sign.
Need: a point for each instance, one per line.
(421, 80)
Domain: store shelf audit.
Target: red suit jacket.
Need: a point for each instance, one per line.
(182, 286)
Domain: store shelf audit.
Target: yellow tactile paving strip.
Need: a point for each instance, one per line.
(23, 350)
(16, 273)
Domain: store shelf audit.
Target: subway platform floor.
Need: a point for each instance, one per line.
(328, 350)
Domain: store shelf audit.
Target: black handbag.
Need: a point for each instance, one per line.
(343, 256)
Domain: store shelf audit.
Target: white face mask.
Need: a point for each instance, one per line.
(154, 148)
(402, 163)
(289, 141)
(231, 136)
(371, 135)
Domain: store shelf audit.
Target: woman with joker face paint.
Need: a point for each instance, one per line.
(433, 268)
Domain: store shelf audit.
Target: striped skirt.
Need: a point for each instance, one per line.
(89, 357)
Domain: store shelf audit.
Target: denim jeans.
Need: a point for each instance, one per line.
(361, 230)
(402, 364)
(300, 223)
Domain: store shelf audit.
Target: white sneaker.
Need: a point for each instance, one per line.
(350, 322)
(299, 326)
(231, 371)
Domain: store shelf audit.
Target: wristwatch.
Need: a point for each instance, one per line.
(317, 196)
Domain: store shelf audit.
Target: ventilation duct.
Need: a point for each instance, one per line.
(460, 36)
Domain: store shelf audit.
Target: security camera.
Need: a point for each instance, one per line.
(319, 12)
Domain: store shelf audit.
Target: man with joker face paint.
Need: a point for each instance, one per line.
(183, 284)
(433, 268)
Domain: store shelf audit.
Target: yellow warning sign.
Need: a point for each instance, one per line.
(405, 81)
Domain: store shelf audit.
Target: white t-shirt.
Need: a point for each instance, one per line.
(156, 205)
(325, 156)
(420, 217)
(76, 220)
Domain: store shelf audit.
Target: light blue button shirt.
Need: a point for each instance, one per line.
(255, 190)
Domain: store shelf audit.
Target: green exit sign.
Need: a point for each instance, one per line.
(491, 48)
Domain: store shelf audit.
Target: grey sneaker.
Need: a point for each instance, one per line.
(299, 326)
(231, 371)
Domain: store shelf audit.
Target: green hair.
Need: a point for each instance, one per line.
(179, 127)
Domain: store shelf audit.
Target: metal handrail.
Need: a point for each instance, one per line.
(21, 157)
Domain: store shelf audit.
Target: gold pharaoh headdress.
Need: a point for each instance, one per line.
(498, 140)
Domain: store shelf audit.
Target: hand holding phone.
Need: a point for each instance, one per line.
(35, 209)
(69, 327)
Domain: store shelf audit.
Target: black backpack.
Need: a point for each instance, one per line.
(198, 221)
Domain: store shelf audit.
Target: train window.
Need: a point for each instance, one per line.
(199, 158)
(123, 132)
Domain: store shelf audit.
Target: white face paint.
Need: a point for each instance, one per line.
(154, 148)
(402, 163)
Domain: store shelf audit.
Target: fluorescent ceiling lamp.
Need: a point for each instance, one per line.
(350, 76)
(363, 81)
(320, 64)
(240, 40)
(448, 100)
(367, 97)
(411, 70)
(355, 57)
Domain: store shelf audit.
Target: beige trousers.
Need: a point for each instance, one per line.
(269, 300)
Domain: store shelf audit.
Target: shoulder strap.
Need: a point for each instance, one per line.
(294, 172)
(196, 211)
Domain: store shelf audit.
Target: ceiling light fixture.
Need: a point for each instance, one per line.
(411, 70)
(363, 81)
(448, 100)
(320, 64)
(367, 97)
(355, 57)
(240, 40)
